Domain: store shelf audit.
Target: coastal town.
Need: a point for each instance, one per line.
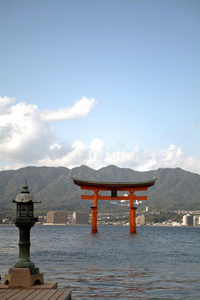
(148, 218)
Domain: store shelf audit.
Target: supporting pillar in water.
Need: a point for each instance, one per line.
(132, 214)
(132, 219)
(94, 213)
(94, 220)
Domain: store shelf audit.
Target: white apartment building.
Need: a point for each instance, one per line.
(187, 220)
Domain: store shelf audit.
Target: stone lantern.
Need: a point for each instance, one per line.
(25, 204)
(24, 272)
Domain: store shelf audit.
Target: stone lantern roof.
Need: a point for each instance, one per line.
(25, 195)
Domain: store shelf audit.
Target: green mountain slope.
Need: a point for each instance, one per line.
(174, 188)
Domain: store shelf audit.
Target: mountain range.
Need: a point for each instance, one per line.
(175, 189)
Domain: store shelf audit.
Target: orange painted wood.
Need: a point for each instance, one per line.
(94, 220)
(136, 188)
(118, 198)
(131, 204)
(134, 220)
(113, 198)
(91, 197)
(96, 197)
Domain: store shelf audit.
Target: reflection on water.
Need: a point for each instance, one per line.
(156, 263)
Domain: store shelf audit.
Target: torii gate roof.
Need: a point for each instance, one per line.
(115, 185)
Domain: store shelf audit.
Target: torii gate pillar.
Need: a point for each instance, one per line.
(94, 220)
(132, 214)
(94, 213)
(132, 219)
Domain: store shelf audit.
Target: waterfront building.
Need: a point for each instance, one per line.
(140, 220)
(81, 217)
(57, 217)
(195, 221)
(188, 220)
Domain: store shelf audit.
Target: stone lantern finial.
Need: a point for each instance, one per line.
(25, 188)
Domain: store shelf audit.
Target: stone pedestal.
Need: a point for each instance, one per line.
(22, 277)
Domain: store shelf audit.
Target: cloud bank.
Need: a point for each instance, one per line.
(80, 109)
(28, 138)
(26, 135)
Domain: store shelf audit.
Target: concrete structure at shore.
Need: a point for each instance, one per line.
(81, 217)
(190, 220)
(57, 217)
(140, 220)
(187, 220)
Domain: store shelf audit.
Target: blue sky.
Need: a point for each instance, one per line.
(100, 82)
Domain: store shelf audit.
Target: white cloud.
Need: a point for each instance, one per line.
(55, 147)
(80, 109)
(28, 138)
(78, 154)
(25, 137)
(147, 160)
(94, 156)
(5, 103)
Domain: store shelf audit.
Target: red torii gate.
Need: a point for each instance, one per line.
(131, 187)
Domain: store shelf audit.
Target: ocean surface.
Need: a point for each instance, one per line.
(155, 263)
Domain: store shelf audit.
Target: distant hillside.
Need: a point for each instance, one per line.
(174, 188)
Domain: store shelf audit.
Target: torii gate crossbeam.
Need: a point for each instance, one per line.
(131, 187)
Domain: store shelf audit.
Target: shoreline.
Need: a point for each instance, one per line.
(146, 225)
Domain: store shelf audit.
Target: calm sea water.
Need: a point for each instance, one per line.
(156, 263)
